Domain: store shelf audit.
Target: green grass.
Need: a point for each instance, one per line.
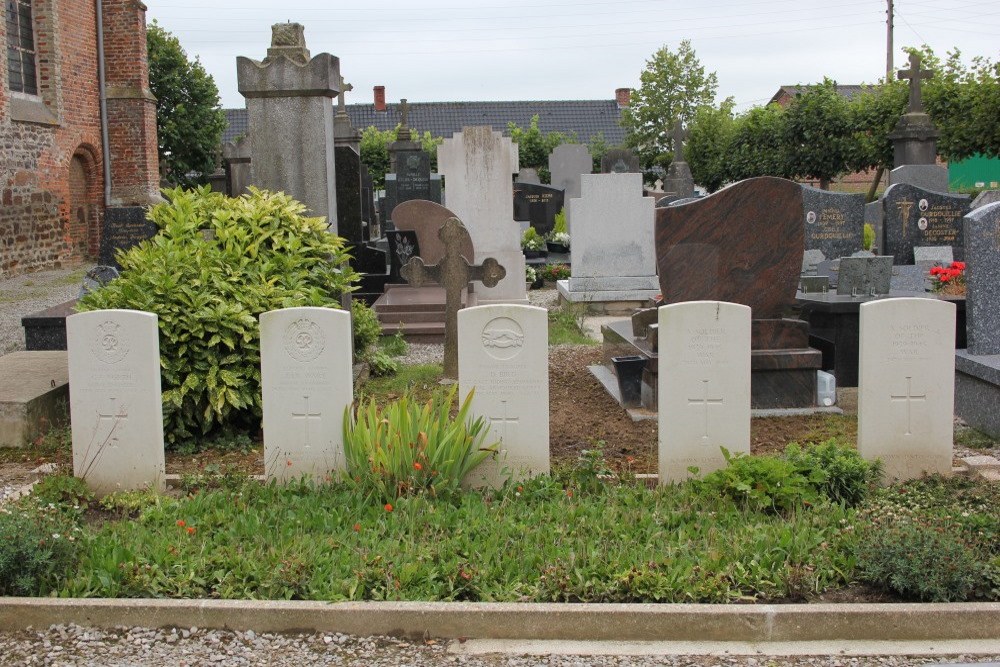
(419, 379)
(566, 325)
(974, 439)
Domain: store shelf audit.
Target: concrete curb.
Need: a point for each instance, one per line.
(548, 621)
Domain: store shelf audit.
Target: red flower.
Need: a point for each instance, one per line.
(180, 523)
(944, 277)
(569, 494)
(958, 265)
(189, 530)
(388, 507)
(936, 270)
(357, 526)
(417, 466)
(288, 463)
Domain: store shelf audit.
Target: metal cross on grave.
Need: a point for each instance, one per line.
(679, 135)
(455, 273)
(117, 413)
(915, 74)
(909, 397)
(306, 416)
(705, 401)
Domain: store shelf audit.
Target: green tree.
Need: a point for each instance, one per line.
(964, 103)
(756, 147)
(818, 133)
(673, 85)
(189, 119)
(710, 134)
(533, 146)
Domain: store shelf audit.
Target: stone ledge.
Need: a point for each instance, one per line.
(553, 621)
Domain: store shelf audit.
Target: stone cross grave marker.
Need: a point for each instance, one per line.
(455, 273)
(306, 382)
(679, 135)
(503, 355)
(704, 386)
(116, 408)
(344, 88)
(915, 74)
(906, 385)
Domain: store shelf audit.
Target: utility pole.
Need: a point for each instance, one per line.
(888, 41)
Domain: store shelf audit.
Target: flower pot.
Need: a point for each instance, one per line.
(534, 254)
(557, 247)
(538, 284)
(629, 372)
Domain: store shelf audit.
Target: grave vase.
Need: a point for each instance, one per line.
(629, 372)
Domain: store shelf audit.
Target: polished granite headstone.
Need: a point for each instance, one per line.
(917, 217)
(985, 197)
(123, 228)
(982, 238)
(537, 205)
(834, 221)
(744, 244)
(348, 169)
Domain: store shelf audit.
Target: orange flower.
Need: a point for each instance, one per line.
(388, 507)
(417, 466)
(569, 494)
(520, 488)
(190, 530)
(357, 526)
(180, 523)
(288, 463)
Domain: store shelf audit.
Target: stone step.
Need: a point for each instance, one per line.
(34, 395)
(393, 318)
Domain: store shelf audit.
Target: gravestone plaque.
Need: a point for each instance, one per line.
(305, 369)
(349, 219)
(503, 356)
(834, 221)
(743, 244)
(620, 161)
(941, 255)
(566, 163)
(403, 245)
(909, 278)
(538, 205)
(123, 228)
(704, 386)
(906, 385)
(982, 239)
(864, 276)
(116, 408)
(810, 260)
(918, 217)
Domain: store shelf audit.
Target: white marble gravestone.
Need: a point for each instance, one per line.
(704, 386)
(477, 164)
(906, 385)
(503, 355)
(614, 249)
(116, 408)
(305, 356)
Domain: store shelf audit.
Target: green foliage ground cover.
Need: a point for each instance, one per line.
(567, 537)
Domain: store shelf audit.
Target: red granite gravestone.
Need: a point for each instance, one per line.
(743, 245)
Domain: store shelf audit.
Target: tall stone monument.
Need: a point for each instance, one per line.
(289, 100)
(411, 176)
(914, 138)
(679, 181)
(477, 164)
(344, 133)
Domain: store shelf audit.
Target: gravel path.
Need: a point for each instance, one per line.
(75, 645)
(31, 292)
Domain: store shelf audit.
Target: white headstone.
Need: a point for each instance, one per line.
(566, 163)
(503, 355)
(704, 386)
(305, 356)
(614, 249)
(477, 164)
(116, 408)
(906, 385)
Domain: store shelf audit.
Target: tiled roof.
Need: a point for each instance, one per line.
(585, 118)
(848, 91)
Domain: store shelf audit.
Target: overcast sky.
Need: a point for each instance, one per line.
(465, 50)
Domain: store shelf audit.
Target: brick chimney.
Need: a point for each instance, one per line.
(622, 97)
(379, 98)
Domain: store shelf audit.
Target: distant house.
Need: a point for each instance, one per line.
(786, 94)
(64, 157)
(585, 119)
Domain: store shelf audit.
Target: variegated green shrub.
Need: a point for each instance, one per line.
(216, 264)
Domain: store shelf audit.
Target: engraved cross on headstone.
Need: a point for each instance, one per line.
(455, 273)
(306, 416)
(504, 421)
(679, 135)
(909, 397)
(705, 401)
(915, 74)
(117, 413)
